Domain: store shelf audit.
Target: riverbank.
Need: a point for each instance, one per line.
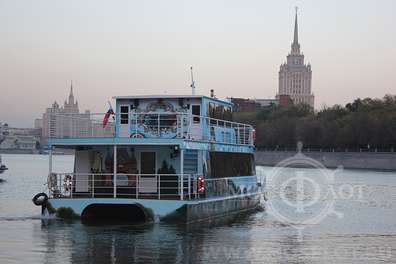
(385, 161)
(35, 151)
(19, 151)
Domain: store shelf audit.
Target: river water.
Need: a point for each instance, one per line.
(361, 229)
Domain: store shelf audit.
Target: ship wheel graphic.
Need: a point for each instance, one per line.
(299, 191)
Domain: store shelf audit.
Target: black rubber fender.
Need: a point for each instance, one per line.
(37, 201)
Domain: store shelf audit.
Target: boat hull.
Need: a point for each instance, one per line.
(168, 210)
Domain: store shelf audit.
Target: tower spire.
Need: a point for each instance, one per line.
(296, 28)
(295, 44)
(71, 88)
(71, 96)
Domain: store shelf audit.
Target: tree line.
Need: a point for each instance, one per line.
(363, 124)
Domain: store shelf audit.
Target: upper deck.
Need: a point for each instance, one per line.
(156, 120)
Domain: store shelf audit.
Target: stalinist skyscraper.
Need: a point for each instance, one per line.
(295, 77)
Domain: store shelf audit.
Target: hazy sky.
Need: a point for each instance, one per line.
(146, 47)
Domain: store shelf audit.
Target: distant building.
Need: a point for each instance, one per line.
(38, 123)
(295, 77)
(249, 105)
(19, 142)
(285, 100)
(244, 105)
(3, 131)
(66, 121)
(19, 138)
(266, 102)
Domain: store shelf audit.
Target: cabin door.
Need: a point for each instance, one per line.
(195, 126)
(148, 177)
(82, 169)
(124, 121)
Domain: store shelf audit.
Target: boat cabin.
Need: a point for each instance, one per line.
(160, 147)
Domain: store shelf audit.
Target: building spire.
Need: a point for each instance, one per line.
(295, 44)
(71, 88)
(71, 96)
(296, 28)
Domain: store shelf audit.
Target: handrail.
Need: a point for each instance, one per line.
(145, 186)
(150, 125)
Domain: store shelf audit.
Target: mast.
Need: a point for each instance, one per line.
(192, 82)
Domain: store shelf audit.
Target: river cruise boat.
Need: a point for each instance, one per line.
(155, 158)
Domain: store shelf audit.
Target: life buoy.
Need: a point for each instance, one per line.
(67, 182)
(136, 135)
(37, 200)
(200, 184)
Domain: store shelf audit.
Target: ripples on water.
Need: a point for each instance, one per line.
(365, 234)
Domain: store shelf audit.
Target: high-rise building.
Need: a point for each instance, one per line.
(66, 121)
(295, 77)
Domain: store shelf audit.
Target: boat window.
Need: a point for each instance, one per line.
(242, 164)
(196, 111)
(190, 161)
(211, 110)
(126, 160)
(227, 113)
(124, 114)
(124, 109)
(219, 114)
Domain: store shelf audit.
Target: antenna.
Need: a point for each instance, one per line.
(192, 81)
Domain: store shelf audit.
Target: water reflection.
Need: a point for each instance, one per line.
(77, 242)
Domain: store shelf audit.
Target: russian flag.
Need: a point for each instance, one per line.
(107, 116)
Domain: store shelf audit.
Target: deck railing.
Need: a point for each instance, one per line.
(150, 125)
(146, 186)
(192, 127)
(87, 125)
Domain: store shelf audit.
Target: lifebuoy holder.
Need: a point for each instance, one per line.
(67, 183)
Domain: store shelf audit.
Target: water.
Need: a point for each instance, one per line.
(365, 234)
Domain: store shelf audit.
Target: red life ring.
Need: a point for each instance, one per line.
(200, 184)
(67, 182)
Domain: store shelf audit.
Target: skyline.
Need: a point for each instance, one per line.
(235, 48)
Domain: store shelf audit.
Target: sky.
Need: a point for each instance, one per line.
(111, 48)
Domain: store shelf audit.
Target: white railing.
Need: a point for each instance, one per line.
(138, 186)
(192, 127)
(151, 125)
(145, 186)
(87, 125)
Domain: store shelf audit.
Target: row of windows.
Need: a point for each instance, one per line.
(228, 164)
(215, 111)
(220, 112)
